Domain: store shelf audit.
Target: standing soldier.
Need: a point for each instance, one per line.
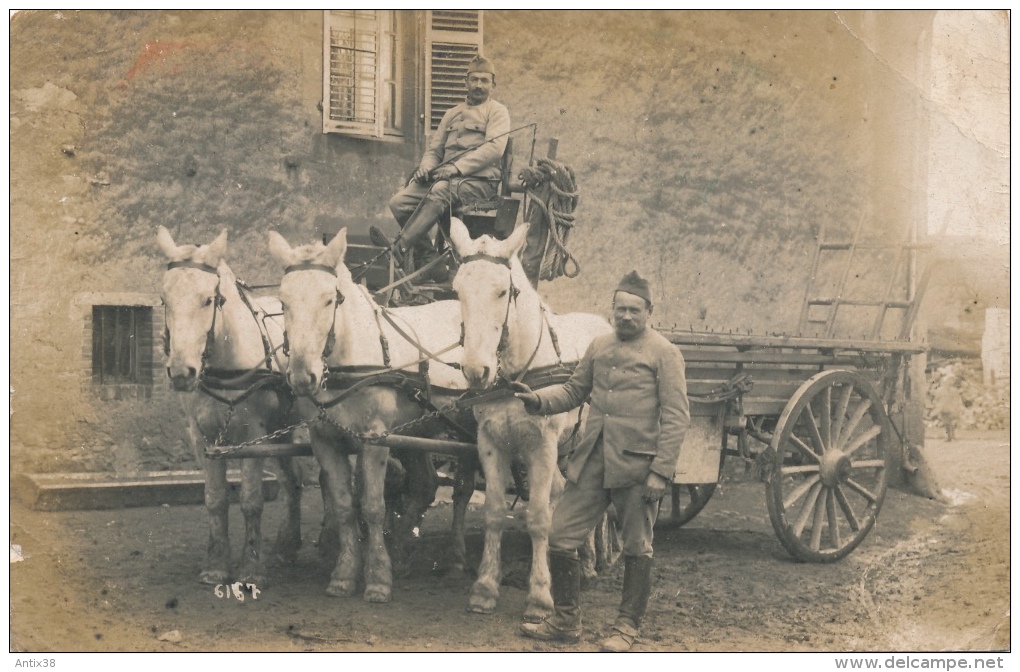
(637, 422)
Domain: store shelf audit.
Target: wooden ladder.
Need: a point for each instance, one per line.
(905, 297)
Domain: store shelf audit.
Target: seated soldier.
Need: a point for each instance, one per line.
(460, 166)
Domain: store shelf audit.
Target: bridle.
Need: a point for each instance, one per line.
(218, 302)
(331, 336)
(512, 294)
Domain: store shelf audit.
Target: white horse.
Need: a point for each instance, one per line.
(334, 324)
(508, 331)
(232, 390)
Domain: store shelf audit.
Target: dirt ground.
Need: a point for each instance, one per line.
(931, 576)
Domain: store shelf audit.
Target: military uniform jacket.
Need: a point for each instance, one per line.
(639, 405)
(465, 127)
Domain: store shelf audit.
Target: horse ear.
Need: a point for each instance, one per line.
(459, 236)
(166, 242)
(216, 250)
(280, 248)
(337, 248)
(516, 240)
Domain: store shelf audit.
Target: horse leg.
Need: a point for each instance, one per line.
(288, 538)
(463, 489)
(422, 485)
(337, 474)
(378, 570)
(252, 504)
(541, 474)
(496, 466)
(217, 563)
(329, 533)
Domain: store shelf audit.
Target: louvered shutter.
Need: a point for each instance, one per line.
(355, 59)
(452, 39)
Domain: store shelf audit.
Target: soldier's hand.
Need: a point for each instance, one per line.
(445, 172)
(532, 403)
(655, 487)
(421, 176)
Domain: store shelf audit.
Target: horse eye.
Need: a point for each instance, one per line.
(208, 301)
(328, 302)
(501, 294)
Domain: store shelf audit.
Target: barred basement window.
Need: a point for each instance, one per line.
(116, 335)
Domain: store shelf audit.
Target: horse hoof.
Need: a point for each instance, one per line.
(377, 594)
(257, 580)
(341, 589)
(482, 605)
(535, 614)
(212, 577)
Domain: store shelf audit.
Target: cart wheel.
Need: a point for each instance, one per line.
(829, 475)
(686, 501)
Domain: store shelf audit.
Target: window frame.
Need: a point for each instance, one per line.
(129, 337)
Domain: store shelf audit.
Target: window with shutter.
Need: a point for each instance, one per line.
(452, 39)
(358, 71)
(373, 72)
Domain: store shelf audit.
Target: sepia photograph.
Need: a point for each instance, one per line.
(378, 331)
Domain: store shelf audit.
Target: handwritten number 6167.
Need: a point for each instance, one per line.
(236, 590)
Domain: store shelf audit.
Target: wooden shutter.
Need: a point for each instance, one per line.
(356, 60)
(452, 39)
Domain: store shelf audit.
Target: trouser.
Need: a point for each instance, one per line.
(582, 504)
(439, 197)
(580, 508)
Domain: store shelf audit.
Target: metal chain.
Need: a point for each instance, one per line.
(283, 431)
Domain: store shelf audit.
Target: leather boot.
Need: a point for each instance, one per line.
(565, 623)
(637, 586)
(416, 229)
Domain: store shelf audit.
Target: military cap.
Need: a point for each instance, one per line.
(632, 283)
(481, 64)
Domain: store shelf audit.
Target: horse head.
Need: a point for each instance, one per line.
(191, 297)
(487, 283)
(310, 295)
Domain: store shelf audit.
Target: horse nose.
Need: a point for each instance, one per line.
(477, 376)
(183, 378)
(303, 383)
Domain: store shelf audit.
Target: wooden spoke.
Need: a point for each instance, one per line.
(816, 524)
(799, 492)
(855, 420)
(826, 418)
(862, 439)
(867, 464)
(804, 448)
(809, 506)
(816, 434)
(862, 491)
(848, 511)
(844, 404)
(830, 511)
(801, 469)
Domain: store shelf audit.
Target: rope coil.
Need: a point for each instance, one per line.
(553, 189)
